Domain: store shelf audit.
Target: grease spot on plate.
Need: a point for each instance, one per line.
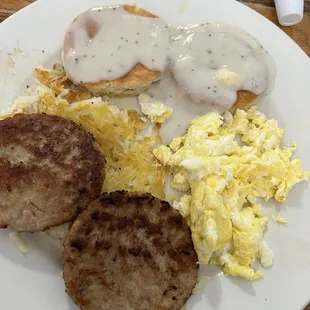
(182, 6)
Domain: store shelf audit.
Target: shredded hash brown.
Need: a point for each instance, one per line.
(130, 165)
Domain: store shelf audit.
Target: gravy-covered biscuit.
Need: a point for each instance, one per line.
(116, 50)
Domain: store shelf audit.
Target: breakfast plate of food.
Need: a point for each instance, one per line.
(153, 155)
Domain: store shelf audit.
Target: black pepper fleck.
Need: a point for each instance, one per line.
(112, 55)
(152, 59)
(137, 42)
(109, 70)
(210, 35)
(209, 51)
(126, 40)
(138, 33)
(122, 38)
(193, 70)
(93, 56)
(43, 51)
(214, 91)
(76, 60)
(242, 56)
(85, 56)
(209, 87)
(114, 9)
(27, 86)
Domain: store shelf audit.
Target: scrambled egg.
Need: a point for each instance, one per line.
(279, 219)
(224, 179)
(229, 78)
(157, 112)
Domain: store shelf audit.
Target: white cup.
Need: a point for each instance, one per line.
(290, 12)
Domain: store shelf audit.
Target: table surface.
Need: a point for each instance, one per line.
(299, 33)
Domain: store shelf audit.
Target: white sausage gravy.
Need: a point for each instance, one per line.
(204, 65)
(105, 43)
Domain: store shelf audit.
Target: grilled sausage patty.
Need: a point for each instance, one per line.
(50, 170)
(129, 251)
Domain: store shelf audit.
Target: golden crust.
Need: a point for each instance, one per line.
(133, 83)
(136, 80)
(134, 9)
(245, 99)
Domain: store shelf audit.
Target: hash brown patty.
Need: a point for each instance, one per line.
(129, 251)
(50, 170)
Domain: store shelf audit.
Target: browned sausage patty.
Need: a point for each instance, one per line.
(50, 170)
(129, 251)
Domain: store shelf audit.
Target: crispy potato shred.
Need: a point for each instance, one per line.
(130, 163)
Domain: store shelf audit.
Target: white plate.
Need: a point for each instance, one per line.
(34, 282)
